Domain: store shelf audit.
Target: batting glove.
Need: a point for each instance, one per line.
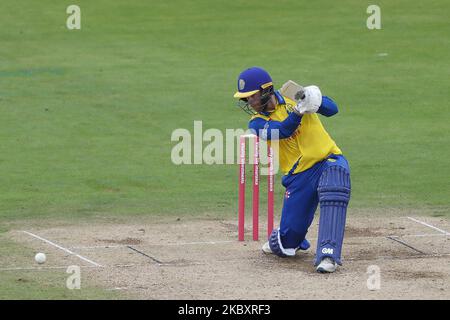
(311, 102)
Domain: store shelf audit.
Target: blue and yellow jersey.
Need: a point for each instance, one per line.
(303, 141)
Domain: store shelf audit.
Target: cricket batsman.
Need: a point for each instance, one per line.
(315, 171)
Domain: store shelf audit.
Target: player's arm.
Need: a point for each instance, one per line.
(328, 107)
(286, 128)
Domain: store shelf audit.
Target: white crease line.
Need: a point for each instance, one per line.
(65, 267)
(429, 225)
(158, 245)
(39, 268)
(64, 249)
(420, 235)
(99, 247)
(418, 256)
(190, 243)
(124, 265)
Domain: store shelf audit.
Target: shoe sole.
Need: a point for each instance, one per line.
(320, 270)
(323, 270)
(266, 252)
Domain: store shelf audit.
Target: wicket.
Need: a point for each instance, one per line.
(255, 197)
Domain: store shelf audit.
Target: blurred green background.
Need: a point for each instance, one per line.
(87, 115)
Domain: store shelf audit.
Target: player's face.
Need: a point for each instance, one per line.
(255, 101)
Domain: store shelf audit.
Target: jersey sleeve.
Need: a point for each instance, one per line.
(264, 128)
(328, 107)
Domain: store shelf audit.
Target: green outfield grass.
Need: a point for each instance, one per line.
(87, 116)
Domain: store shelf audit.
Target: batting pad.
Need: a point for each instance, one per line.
(334, 195)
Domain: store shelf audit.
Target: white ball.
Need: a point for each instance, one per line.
(40, 257)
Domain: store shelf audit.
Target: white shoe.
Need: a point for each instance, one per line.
(266, 248)
(327, 265)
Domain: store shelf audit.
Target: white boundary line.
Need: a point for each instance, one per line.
(430, 226)
(63, 249)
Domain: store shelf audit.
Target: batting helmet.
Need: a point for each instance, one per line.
(251, 81)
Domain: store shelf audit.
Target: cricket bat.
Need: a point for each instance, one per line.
(293, 91)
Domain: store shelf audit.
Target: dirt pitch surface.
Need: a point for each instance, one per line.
(202, 259)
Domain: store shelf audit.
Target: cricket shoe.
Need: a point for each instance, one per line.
(266, 248)
(327, 265)
(303, 246)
